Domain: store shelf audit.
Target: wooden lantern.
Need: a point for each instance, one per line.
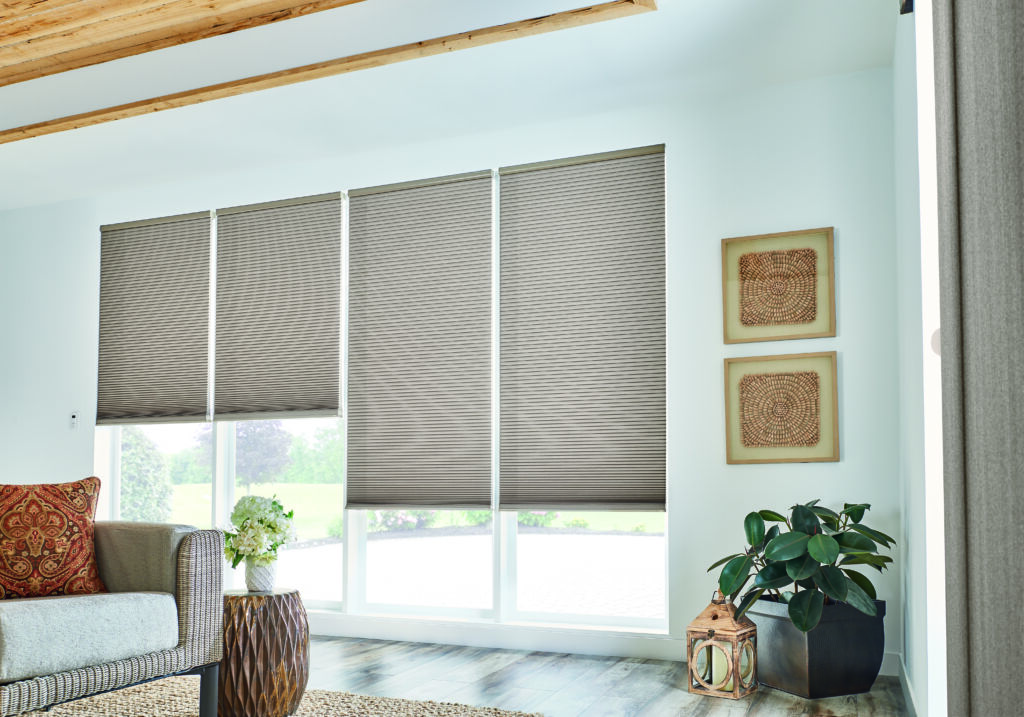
(719, 649)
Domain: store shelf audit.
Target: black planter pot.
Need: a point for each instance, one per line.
(841, 656)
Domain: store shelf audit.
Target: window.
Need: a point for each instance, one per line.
(429, 558)
(598, 563)
(300, 461)
(502, 338)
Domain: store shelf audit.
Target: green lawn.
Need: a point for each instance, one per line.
(317, 505)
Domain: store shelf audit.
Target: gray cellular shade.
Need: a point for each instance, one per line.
(583, 335)
(154, 319)
(278, 309)
(419, 362)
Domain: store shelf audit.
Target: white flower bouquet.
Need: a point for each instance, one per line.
(261, 527)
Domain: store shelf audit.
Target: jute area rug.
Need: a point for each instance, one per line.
(179, 697)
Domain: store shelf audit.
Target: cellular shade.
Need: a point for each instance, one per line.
(583, 334)
(278, 309)
(419, 357)
(154, 319)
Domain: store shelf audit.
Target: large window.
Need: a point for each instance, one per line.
(495, 342)
(592, 567)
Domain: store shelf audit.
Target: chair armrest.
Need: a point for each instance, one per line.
(139, 557)
(200, 596)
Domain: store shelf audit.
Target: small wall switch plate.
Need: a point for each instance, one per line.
(74, 419)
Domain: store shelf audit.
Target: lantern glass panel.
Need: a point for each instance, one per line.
(701, 662)
(746, 663)
(712, 667)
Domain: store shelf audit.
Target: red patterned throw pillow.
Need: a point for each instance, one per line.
(46, 539)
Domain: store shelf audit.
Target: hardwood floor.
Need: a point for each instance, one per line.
(558, 685)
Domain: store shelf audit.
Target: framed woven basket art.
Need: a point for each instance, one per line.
(778, 286)
(782, 409)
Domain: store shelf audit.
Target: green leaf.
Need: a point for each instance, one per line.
(862, 582)
(749, 599)
(801, 568)
(878, 562)
(823, 548)
(787, 546)
(805, 521)
(828, 517)
(772, 576)
(832, 582)
(812, 503)
(859, 599)
(854, 543)
(807, 584)
(805, 609)
(787, 596)
(734, 574)
(753, 526)
(772, 515)
(877, 535)
(723, 561)
(772, 534)
(855, 510)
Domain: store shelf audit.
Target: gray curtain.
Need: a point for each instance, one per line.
(980, 106)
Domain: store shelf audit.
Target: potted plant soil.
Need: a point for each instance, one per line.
(818, 617)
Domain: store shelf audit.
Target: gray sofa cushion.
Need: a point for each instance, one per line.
(139, 557)
(44, 635)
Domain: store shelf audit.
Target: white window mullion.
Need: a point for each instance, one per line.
(223, 472)
(114, 473)
(501, 602)
(355, 561)
(507, 567)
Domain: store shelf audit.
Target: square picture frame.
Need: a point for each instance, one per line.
(782, 409)
(778, 286)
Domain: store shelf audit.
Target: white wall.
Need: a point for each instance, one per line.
(789, 156)
(49, 288)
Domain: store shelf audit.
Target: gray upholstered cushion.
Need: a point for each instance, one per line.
(40, 636)
(137, 557)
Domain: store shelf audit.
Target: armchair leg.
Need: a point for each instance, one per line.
(208, 690)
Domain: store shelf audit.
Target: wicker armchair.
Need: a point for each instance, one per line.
(147, 558)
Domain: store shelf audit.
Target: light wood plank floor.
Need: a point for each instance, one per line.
(557, 685)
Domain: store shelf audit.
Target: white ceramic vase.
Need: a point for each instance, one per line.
(259, 578)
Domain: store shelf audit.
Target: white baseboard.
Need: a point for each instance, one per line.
(908, 690)
(473, 633)
(891, 664)
(542, 638)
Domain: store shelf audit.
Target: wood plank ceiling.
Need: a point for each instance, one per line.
(44, 37)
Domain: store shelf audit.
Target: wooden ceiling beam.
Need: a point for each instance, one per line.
(15, 8)
(145, 27)
(450, 43)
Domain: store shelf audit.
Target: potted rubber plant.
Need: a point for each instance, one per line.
(801, 581)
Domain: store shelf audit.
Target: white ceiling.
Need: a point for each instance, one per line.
(687, 47)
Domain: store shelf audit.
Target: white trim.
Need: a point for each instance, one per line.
(354, 585)
(114, 473)
(509, 567)
(908, 690)
(211, 320)
(934, 691)
(891, 664)
(590, 640)
(499, 591)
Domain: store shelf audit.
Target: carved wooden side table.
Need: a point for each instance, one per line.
(266, 654)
